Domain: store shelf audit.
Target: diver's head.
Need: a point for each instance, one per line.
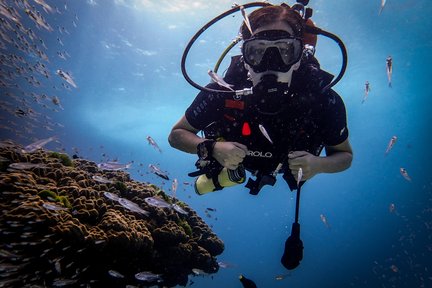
(275, 47)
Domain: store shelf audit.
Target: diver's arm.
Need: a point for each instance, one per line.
(338, 158)
(183, 137)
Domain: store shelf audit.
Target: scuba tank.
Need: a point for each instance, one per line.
(225, 178)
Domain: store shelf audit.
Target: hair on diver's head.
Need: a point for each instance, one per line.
(272, 14)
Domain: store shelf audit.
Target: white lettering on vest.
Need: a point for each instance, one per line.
(260, 154)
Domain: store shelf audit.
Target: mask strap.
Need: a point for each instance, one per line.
(246, 19)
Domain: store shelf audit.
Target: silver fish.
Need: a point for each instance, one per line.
(299, 176)
(222, 264)
(264, 132)
(174, 186)
(148, 276)
(26, 165)
(53, 207)
(197, 271)
(115, 274)
(113, 166)
(101, 179)
(39, 20)
(219, 80)
(404, 173)
(111, 196)
(246, 19)
(132, 206)
(155, 170)
(45, 6)
(8, 254)
(324, 220)
(179, 209)
(38, 144)
(66, 77)
(383, 2)
(157, 202)
(63, 282)
(153, 143)
(391, 144)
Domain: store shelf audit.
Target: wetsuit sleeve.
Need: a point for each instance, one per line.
(205, 109)
(335, 128)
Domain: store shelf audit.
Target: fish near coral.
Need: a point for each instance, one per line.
(38, 144)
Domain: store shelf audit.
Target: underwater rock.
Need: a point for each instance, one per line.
(61, 227)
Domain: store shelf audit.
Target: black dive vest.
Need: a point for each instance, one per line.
(294, 127)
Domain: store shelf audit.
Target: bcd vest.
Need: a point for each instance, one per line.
(294, 126)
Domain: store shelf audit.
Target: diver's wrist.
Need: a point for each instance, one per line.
(205, 149)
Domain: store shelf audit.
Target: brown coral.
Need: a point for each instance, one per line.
(45, 239)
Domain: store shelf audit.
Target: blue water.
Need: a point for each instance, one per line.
(125, 59)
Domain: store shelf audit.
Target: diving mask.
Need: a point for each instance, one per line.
(275, 50)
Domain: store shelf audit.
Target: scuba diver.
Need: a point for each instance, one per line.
(281, 124)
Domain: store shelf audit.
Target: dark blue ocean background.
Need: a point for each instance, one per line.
(124, 56)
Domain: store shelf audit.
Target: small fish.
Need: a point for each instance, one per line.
(132, 206)
(246, 19)
(60, 282)
(383, 2)
(219, 80)
(113, 166)
(101, 179)
(404, 173)
(174, 186)
(153, 143)
(366, 91)
(9, 13)
(57, 266)
(389, 68)
(45, 6)
(115, 274)
(299, 176)
(394, 268)
(155, 170)
(53, 207)
(38, 19)
(56, 101)
(26, 166)
(180, 210)
(111, 196)
(264, 132)
(392, 207)
(38, 144)
(225, 265)
(282, 276)
(157, 202)
(68, 78)
(199, 272)
(8, 254)
(148, 276)
(324, 220)
(391, 144)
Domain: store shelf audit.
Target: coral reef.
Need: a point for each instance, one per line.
(59, 226)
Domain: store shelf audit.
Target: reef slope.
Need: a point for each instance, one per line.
(60, 227)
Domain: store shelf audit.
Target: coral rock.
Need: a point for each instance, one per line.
(59, 227)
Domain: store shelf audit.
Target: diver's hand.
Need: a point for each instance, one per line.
(229, 154)
(307, 161)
